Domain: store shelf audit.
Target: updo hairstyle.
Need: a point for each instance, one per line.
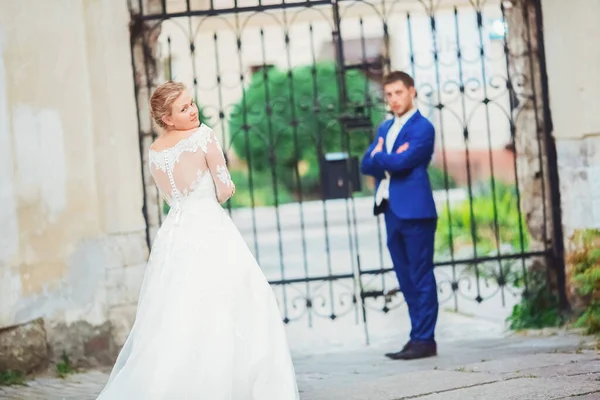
(162, 99)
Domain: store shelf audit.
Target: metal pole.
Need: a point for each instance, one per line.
(558, 246)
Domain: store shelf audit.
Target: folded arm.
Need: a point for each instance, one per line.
(367, 167)
(419, 151)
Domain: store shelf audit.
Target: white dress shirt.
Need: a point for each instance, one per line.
(392, 134)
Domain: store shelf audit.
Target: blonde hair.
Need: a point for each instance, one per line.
(162, 100)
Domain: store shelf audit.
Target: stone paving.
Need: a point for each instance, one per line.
(556, 367)
(477, 360)
(511, 368)
(81, 386)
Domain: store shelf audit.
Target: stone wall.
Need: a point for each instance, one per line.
(571, 28)
(574, 85)
(73, 245)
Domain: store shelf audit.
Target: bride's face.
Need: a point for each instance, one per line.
(184, 113)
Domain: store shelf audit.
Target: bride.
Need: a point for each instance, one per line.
(207, 325)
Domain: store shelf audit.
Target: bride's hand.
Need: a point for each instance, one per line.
(233, 191)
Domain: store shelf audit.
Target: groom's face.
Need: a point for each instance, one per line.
(399, 97)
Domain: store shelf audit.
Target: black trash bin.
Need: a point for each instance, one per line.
(340, 176)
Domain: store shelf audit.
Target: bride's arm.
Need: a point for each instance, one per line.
(218, 168)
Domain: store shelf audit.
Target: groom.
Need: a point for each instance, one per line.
(398, 159)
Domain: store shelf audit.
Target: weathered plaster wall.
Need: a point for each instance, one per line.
(73, 244)
(573, 61)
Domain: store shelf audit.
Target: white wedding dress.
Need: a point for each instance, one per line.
(207, 325)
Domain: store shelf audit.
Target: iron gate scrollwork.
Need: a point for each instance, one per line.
(293, 89)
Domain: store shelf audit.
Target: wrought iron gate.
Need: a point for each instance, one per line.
(293, 88)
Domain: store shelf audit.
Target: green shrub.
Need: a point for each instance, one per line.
(584, 273)
(64, 367)
(12, 378)
(539, 307)
(489, 228)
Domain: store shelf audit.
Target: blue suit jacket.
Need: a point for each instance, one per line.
(410, 194)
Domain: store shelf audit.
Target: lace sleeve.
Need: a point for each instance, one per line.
(217, 166)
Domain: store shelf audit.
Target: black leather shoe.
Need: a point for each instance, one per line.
(416, 350)
(394, 356)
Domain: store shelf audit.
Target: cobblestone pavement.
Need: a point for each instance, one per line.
(333, 361)
(556, 366)
(338, 344)
(81, 386)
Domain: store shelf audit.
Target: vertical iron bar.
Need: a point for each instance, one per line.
(145, 47)
(320, 156)
(192, 39)
(486, 101)
(339, 52)
(387, 61)
(170, 58)
(358, 278)
(273, 159)
(459, 59)
(141, 135)
(246, 134)
(440, 107)
(220, 95)
(386, 67)
(411, 47)
(371, 138)
(552, 160)
(364, 61)
(295, 123)
(344, 137)
(551, 262)
(532, 57)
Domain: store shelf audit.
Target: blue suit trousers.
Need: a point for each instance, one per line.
(411, 246)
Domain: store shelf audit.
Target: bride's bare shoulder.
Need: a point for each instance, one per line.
(158, 145)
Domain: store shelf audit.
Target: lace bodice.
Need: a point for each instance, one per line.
(182, 170)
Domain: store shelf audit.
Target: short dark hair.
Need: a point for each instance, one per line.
(399, 76)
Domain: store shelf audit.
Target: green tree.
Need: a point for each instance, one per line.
(290, 119)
